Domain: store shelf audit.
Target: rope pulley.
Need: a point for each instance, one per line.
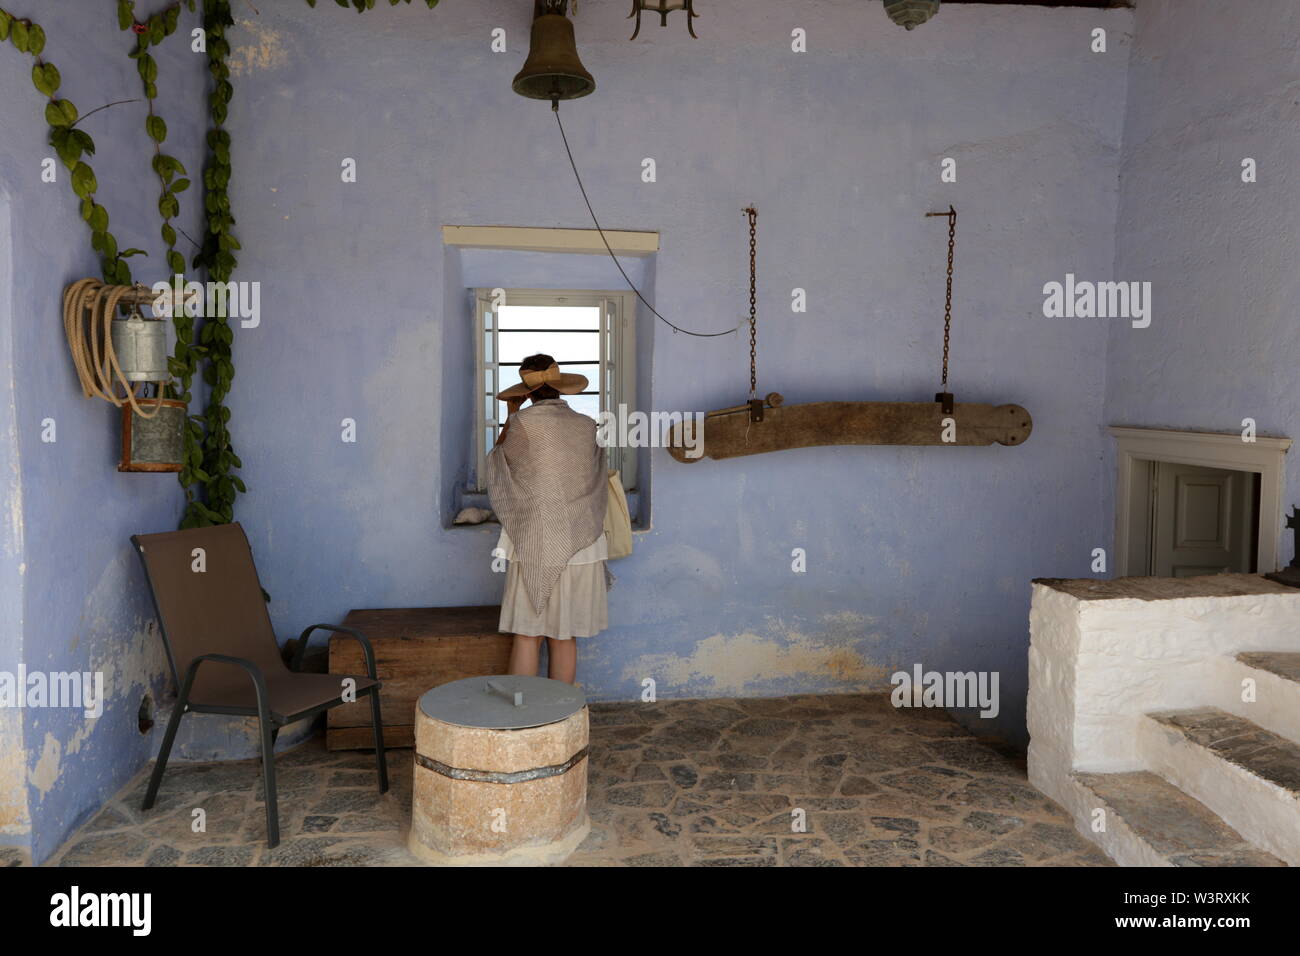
(109, 350)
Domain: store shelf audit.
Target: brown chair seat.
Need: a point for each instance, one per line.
(291, 696)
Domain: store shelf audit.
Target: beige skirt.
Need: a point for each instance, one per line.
(577, 606)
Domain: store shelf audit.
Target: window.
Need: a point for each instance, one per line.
(590, 333)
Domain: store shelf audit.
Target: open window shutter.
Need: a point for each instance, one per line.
(487, 379)
(609, 369)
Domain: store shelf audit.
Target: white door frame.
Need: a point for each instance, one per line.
(1263, 456)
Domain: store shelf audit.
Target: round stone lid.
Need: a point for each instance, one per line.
(502, 702)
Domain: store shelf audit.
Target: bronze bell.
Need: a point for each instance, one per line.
(553, 70)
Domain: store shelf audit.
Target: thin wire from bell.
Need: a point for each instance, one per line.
(555, 107)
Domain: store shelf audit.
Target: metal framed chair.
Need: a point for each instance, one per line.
(223, 653)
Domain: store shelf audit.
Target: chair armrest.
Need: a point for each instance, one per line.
(366, 649)
(255, 672)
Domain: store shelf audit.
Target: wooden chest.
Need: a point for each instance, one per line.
(415, 649)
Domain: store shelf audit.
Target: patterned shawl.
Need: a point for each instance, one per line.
(548, 486)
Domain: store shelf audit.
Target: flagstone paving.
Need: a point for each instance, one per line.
(845, 780)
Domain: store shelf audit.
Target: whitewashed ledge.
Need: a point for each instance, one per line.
(1166, 589)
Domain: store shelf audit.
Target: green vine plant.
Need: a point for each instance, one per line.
(209, 455)
(71, 145)
(171, 173)
(216, 456)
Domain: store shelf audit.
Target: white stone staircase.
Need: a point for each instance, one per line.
(1164, 716)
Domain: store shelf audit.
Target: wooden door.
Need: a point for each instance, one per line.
(1203, 520)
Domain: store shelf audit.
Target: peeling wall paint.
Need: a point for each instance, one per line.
(260, 48)
(45, 771)
(745, 665)
(15, 821)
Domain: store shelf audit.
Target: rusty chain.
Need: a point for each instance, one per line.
(947, 308)
(753, 299)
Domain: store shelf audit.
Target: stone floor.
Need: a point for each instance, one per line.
(674, 783)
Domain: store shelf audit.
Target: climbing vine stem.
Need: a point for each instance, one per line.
(171, 173)
(71, 144)
(213, 461)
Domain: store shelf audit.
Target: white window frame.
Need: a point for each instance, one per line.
(1264, 456)
(617, 362)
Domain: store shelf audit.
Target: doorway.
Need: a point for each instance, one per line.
(1197, 520)
(1193, 503)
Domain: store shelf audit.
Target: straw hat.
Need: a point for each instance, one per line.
(566, 383)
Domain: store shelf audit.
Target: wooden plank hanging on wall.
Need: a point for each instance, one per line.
(732, 434)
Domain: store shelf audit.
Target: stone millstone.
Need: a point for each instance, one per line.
(490, 797)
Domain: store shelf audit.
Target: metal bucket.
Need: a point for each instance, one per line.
(141, 347)
(156, 443)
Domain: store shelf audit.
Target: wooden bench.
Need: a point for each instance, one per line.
(415, 649)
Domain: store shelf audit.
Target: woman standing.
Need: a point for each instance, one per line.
(548, 486)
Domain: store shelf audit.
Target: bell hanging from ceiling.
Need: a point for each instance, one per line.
(553, 70)
(911, 13)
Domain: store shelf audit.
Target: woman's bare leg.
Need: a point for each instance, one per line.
(523, 655)
(562, 659)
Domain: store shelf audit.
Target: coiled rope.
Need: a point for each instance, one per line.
(88, 309)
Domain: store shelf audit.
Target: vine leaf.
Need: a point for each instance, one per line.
(45, 77)
(60, 113)
(83, 181)
(69, 149)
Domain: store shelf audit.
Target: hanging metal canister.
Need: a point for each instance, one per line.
(154, 443)
(141, 347)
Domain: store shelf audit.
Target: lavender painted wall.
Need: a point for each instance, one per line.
(15, 821)
(914, 554)
(69, 512)
(1206, 91)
